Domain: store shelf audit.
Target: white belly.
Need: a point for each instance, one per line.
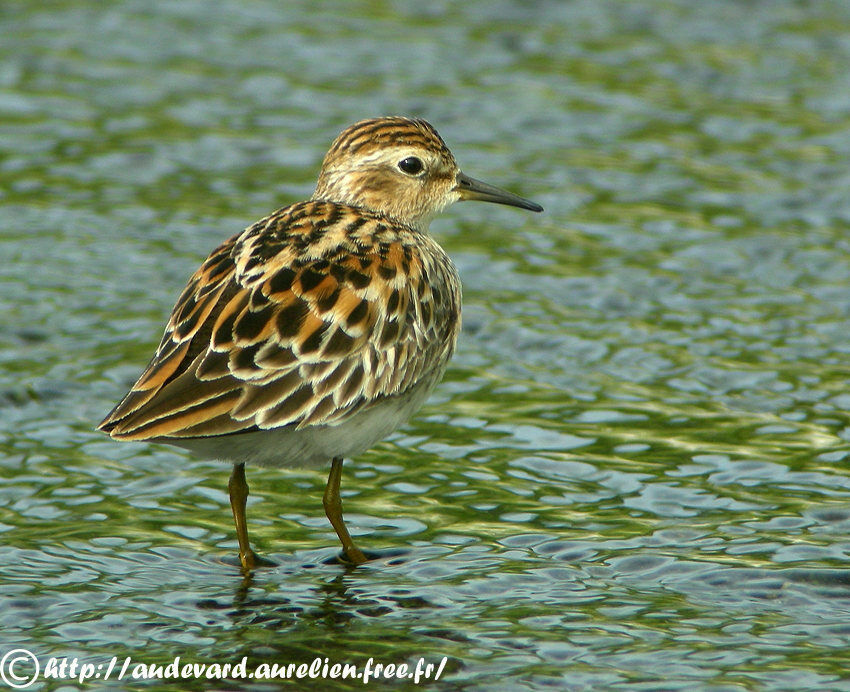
(289, 447)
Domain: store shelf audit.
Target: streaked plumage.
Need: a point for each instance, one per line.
(321, 328)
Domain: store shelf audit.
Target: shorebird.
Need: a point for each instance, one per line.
(321, 328)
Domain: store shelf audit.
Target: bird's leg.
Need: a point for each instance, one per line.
(238, 488)
(333, 508)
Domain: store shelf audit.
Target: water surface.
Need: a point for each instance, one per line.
(634, 475)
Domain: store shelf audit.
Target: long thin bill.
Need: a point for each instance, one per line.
(470, 188)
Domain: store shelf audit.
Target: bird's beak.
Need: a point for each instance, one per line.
(470, 188)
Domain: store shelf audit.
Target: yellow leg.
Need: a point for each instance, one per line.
(333, 508)
(238, 488)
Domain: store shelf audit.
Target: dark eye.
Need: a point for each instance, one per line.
(411, 165)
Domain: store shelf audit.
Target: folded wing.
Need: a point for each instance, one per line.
(308, 316)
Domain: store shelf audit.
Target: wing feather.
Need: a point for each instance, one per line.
(306, 317)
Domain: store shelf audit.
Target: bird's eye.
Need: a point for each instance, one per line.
(411, 165)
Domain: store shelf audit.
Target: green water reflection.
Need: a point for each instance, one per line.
(635, 473)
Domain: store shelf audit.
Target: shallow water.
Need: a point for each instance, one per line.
(634, 475)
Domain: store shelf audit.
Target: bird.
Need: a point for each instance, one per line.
(321, 328)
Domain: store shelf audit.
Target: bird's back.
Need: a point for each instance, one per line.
(311, 316)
